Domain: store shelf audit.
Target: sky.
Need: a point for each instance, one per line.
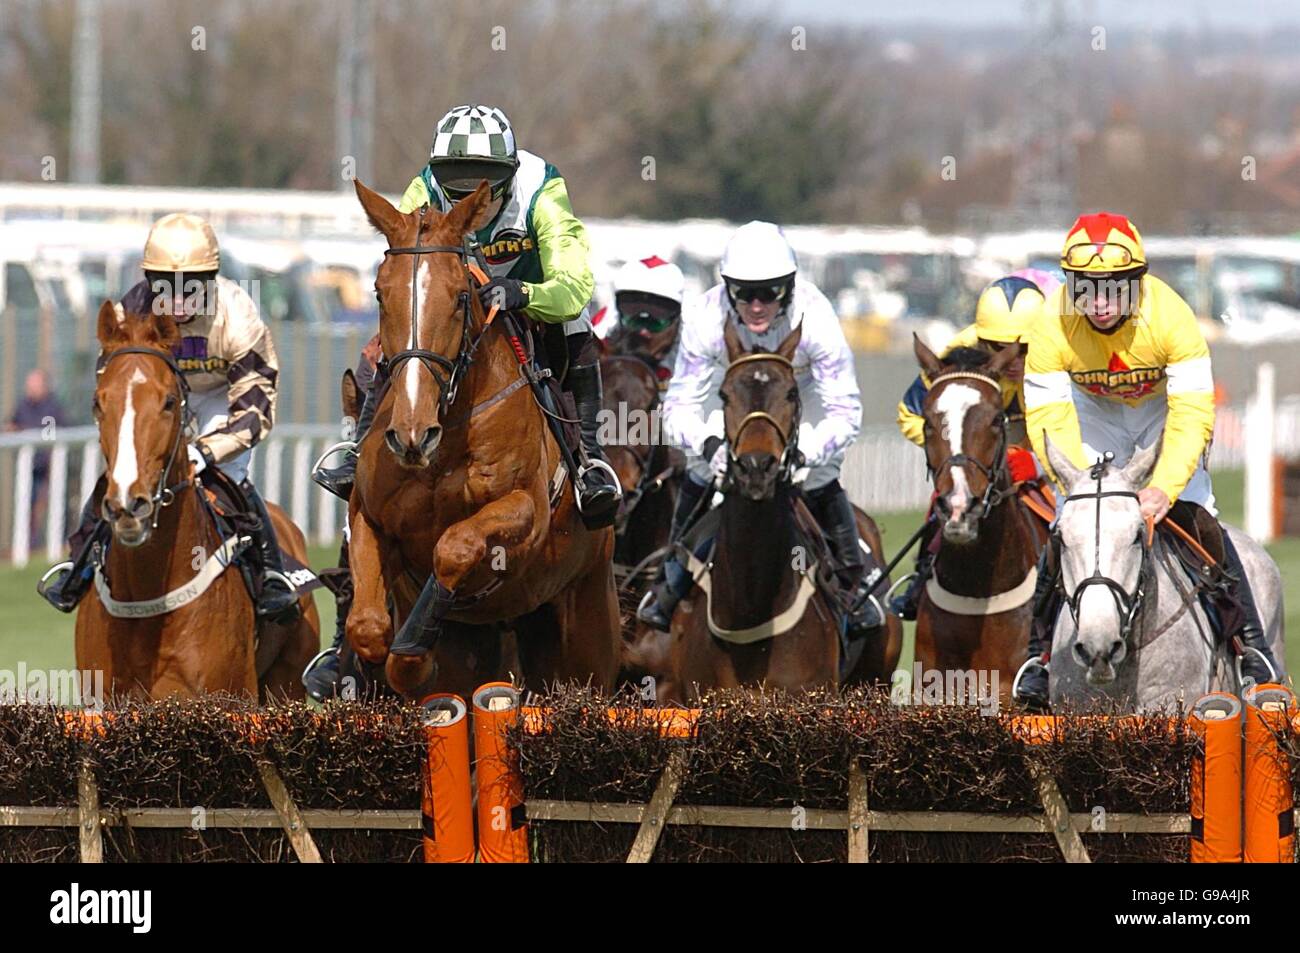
(1248, 15)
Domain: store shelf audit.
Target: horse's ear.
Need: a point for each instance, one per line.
(1139, 467)
(1061, 464)
(379, 211)
(109, 330)
(467, 214)
(350, 392)
(998, 364)
(165, 329)
(734, 346)
(930, 364)
(791, 343)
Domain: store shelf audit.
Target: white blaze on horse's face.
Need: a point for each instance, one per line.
(413, 368)
(126, 469)
(953, 405)
(1100, 644)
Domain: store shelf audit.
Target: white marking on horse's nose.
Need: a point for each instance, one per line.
(126, 468)
(412, 368)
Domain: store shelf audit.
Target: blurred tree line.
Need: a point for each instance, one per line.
(654, 109)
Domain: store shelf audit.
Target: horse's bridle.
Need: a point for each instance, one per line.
(1127, 605)
(994, 493)
(437, 364)
(789, 441)
(163, 495)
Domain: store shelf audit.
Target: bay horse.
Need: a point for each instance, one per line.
(649, 469)
(976, 609)
(451, 516)
(165, 542)
(756, 619)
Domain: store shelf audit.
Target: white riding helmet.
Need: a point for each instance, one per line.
(758, 252)
(653, 276)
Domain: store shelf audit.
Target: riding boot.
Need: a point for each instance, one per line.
(277, 600)
(839, 522)
(674, 582)
(906, 604)
(599, 493)
(321, 676)
(1030, 686)
(72, 579)
(1257, 660)
(339, 480)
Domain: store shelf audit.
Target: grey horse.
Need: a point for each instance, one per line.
(1168, 655)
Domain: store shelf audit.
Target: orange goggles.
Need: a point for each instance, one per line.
(1108, 254)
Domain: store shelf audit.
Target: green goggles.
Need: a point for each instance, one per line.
(649, 313)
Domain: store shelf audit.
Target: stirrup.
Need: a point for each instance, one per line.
(1032, 660)
(66, 565)
(317, 659)
(349, 445)
(1242, 677)
(591, 464)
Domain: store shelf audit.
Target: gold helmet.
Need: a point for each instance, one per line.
(181, 242)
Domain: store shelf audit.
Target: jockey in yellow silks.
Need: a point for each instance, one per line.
(1117, 361)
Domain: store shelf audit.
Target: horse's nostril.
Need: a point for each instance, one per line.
(429, 442)
(395, 445)
(1116, 650)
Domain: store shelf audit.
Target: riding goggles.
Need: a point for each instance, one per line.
(1109, 254)
(648, 313)
(766, 293)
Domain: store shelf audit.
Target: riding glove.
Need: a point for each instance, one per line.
(508, 294)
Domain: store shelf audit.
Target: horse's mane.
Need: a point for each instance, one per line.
(966, 359)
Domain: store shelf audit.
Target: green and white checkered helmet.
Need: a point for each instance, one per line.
(473, 143)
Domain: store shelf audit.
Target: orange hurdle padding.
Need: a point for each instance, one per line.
(502, 827)
(1269, 823)
(1216, 780)
(447, 817)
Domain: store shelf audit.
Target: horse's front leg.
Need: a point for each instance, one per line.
(369, 628)
(501, 529)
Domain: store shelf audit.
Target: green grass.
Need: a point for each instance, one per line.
(34, 633)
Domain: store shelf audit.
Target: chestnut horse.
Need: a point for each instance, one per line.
(976, 609)
(452, 519)
(723, 637)
(164, 539)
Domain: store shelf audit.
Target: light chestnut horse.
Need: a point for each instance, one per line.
(451, 516)
(162, 538)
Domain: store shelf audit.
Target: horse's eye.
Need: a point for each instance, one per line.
(794, 393)
(722, 396)
(170, 403)
(94, 406)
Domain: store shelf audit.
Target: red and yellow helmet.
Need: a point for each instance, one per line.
(1102, 243)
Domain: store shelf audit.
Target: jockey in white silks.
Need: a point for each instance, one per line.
(762, 296)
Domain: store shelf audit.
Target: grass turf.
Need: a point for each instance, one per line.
(33, 633)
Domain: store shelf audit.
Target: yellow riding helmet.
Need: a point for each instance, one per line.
(181, 242)
(1005, 309)
(1102, 243)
